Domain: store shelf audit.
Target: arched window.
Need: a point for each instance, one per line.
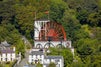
(49, 44)
(39, 46)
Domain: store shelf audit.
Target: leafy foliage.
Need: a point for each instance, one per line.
(20, 47)
(66, 53)
(81, 20)
(39, 65)
(52, 65)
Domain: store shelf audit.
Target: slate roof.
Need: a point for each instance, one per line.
(7, 51)
(37, 53)
(4, 44)
(29, 66)
(53, 57)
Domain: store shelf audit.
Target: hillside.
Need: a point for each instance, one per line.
(81, 20)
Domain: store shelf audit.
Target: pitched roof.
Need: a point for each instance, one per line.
(5, 44)
(53, 57)
(29, 66)
(7, 51)
(37, 53)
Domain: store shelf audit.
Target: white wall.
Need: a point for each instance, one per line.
(36, 57)
(45, 61)
(59, 64)
(3, 57)
(37, 27)
(30, 59)
(55, 43)
(13, 56)
(8, 56)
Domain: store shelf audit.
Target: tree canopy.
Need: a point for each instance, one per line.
(81, 20)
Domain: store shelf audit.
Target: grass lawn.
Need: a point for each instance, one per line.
(7, 65)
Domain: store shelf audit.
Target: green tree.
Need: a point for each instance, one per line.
(1, 65)
(70, 24)
(6, 11)
(52, 64)
(57, 9)
(25, 15)
(96, 33)
(66, 53)
(86, 47)
(39, 65)
(77, 64)
(9, 33)
(87, 11)
(96, 61)
(20, 47)
(94, 18)
(25, 19)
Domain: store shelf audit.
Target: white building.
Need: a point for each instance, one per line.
(7, 55)
(36, 56)
(39, 56)
(58, 60)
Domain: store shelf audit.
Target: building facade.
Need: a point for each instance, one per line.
(49, 34)
(58, 60)
(7, 55)
(40, 57)
(36, 56)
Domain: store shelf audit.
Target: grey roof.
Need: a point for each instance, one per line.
(32, 66)
(53, 57)
(5, 44)
(29, 66)
(7, 51)
(37, 53)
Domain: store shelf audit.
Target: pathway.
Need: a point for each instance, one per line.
(23, 61)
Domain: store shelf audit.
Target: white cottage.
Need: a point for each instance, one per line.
(36, 56)
(39, 56)
(7, 55)
(58, 60)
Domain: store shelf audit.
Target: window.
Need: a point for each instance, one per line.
(6, 54)
(40, 56)
(36, 56)
(57, 60)
(1, 59)
(5, 59)
(11, 59)
(32, 60)
(36, 61)
(11, 55)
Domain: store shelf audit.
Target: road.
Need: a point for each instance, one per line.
(24, 61)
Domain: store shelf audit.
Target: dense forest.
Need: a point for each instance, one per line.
(81, 20)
